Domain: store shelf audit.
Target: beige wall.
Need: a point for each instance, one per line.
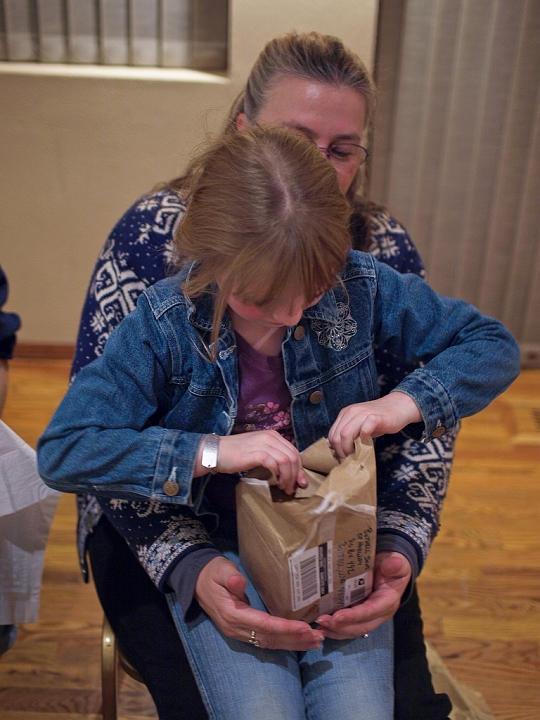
(77, 151)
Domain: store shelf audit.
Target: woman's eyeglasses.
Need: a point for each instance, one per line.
(345, 153)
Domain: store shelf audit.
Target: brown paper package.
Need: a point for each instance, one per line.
(311, 553)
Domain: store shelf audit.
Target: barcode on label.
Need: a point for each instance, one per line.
(326, 577)
(308, 578)
(357, 588)
(311, 575)
(357, 595)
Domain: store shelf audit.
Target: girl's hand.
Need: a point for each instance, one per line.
(220, 592)
(388, 414)
(253, 449)
(392, 574)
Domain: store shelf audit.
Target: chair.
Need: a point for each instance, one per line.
(111, 660)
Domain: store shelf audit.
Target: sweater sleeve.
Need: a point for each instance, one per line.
(412, 476)
(159, 535)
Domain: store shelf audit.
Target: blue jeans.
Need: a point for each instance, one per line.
(349, 680)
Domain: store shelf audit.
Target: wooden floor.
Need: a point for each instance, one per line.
(480, 590)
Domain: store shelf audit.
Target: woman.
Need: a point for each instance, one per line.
(310, 84)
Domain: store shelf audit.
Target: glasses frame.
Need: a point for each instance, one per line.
(327, 151)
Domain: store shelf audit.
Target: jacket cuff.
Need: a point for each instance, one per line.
(173, 480)
(432, 400)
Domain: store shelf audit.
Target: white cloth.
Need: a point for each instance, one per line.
(27, 507)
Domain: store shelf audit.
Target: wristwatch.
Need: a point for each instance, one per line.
(210, 452)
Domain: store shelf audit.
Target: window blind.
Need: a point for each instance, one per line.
(151, 33)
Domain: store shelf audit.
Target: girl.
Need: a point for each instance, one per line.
(270, 310)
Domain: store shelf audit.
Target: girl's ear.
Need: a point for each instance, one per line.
(242, 123)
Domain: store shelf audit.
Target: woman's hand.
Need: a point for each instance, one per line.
(253, 449)
(220, 592)
(388, 414)
(392, 574)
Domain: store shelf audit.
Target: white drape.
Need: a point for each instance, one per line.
(459, 161)
(27, 507)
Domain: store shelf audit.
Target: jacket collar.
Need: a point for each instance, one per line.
(326, 310)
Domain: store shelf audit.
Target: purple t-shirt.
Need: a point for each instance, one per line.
(264, 403)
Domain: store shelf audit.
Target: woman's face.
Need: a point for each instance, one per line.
(322, 112)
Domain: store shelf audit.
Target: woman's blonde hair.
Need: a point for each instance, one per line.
(312, 56)
(265, 217)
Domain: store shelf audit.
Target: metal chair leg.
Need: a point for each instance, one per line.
(109, 675)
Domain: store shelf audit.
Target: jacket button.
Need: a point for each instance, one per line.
(315, 397)
(299, 332)
(439, 431)
(171, 488)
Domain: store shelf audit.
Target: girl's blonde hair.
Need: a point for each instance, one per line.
(265, 218)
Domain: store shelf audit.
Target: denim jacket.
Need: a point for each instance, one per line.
(132, 421)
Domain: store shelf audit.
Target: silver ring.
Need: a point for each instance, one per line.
(253, 640)
(366, 635)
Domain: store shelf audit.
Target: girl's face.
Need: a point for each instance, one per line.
(285, 313)
(322, 112)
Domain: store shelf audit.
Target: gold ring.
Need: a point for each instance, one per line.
(253, 640)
